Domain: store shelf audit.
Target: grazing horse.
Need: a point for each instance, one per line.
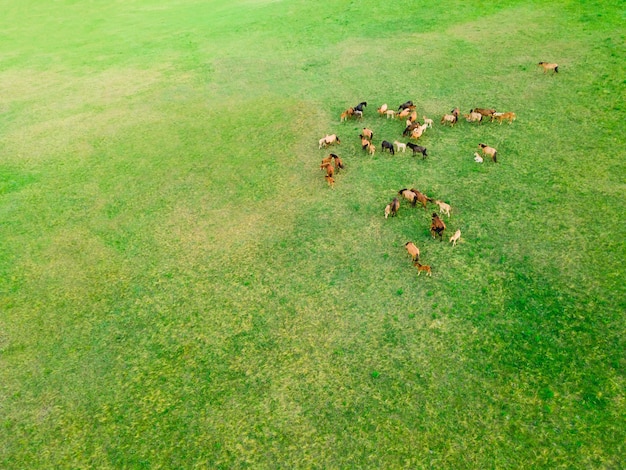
(547, 66)
(346, 114)
(486, 112)
(449, 119)
(330, 171)
(389, 146)
(403, 114)
(456, 237)
(326, 161)
(382, 109)
(406, 105)
(329, 140)
(417, 149)
(367, 134)
(490, 151)
(413, 250)
(504, 117)
(410, 128)
(443, 207)
(387, 210)
(473, 117)
(395, 206)
(338, 163)
(408, 195)
(330, 180)
(421, 198)
(399, 146)
(416, 133)
(360, 106)
(437, 226)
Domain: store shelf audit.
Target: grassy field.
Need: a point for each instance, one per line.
(179, 288)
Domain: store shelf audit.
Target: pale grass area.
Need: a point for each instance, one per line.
(66, 112)
(228, 233)
(72, 265)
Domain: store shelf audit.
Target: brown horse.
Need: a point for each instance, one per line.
(547, 66)
(421, 198)
(437, 226)
(449, 119)
(504, 117)
(413, 250)
(409, 196)
(338, 162)
(422, 267)
(490, 151)
(395, 206)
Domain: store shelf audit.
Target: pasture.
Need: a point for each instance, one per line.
(181, 288)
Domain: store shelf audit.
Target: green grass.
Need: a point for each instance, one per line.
(179, 288)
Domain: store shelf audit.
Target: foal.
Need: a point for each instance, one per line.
(422, 267)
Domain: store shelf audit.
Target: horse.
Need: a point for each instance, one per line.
(449, 119)
(547, 66)
(360, 106)
(409, 196)
(490, 151)
(417, 149)
(389, 146)
(456, 237)
(437, 226)
(395, 206)
(422, 267)
(329, 140)
(421, 198)
(413, 250)
(504, 117)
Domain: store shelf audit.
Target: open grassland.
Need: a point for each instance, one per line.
(179, 287)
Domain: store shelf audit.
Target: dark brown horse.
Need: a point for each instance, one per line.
(437, 226)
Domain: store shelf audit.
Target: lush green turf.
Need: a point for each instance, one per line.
(179, 287)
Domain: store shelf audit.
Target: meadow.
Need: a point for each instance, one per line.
(179, 287)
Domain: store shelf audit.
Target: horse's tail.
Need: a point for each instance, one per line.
(495, 160)
(556, 69)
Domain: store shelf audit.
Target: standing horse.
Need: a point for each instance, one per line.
(547, 66)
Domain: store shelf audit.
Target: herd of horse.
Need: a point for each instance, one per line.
(414, 130)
